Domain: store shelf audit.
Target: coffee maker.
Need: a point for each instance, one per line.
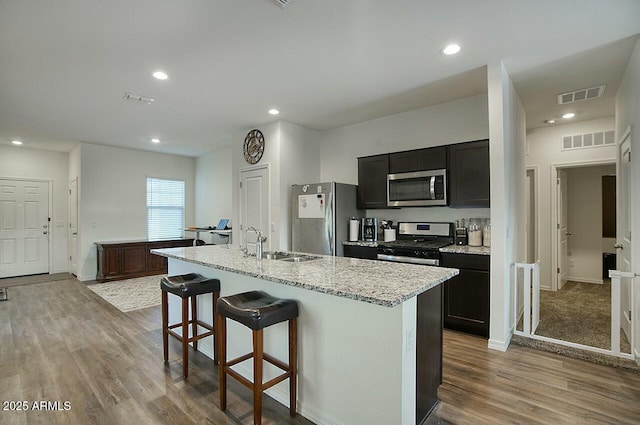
(369, 229)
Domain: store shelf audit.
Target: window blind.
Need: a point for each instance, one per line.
(165, 208)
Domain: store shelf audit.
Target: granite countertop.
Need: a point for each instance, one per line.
(377, 282)
(466, 249)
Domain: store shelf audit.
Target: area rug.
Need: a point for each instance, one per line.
(131, 294)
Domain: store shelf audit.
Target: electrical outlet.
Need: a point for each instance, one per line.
(409, 340)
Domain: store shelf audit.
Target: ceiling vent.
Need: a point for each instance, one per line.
(283, 3)
(137, 98)
(582, 94)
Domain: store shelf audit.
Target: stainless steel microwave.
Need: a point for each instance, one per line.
(422, 188)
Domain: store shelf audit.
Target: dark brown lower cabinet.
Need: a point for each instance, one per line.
(428, 351)
(466, 296)
(128, 259)
(357, 251)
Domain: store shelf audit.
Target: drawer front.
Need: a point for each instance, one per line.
(466, 261)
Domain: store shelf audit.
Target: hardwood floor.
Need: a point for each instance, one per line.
(525, 386)
(61, 342)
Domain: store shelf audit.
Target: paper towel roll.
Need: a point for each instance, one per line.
(389, 235)
(354, 225)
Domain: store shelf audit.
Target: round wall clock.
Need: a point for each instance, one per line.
(253, 146)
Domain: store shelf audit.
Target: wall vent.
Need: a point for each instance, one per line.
(589, 140)
(582, 94)
(137, 98)
(283, 3)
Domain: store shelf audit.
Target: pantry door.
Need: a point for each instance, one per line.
(24, 227)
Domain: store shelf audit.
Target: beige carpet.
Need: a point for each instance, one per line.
(579, 313)
(131, 294)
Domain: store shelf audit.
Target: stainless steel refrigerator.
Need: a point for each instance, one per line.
(320, 214)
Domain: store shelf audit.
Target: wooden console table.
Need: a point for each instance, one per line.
(128, 259)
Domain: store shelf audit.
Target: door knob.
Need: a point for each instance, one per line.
(568, 233)
(618, 246)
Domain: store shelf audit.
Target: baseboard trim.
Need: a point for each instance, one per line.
(636, 355)
(585, 280)
(85, 278)
(501, 345)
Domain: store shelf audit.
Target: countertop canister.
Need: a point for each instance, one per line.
(354, 226)
(475, 232)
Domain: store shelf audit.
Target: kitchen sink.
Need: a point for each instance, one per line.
(288, 256)
(301, 258)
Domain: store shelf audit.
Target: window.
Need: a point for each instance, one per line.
(165, 208)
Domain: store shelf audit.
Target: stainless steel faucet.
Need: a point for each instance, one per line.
(259, 240)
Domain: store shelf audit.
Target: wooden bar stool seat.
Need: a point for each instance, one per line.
(187, 287)
(257, 310)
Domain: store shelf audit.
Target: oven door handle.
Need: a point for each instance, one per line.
(412, 260)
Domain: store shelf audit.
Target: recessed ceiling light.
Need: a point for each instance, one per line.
(160, 75)
(568, 115)
(549, 121)
(155, 140)
(274, 111)
(451, 49)
(16, 142)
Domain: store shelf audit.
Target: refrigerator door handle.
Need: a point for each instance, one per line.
(330, 221)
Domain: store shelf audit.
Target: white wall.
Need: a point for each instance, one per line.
(507, 156)
(447, 123)
(584, 218)
(291, 153)
(300, 164)
(628, 114)
(24, 163)
(113, 195)
(544, 149)
(213, 191)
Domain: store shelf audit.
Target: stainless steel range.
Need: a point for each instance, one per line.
(417, 243)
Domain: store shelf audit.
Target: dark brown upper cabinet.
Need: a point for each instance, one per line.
(372, 181)
(418, 160)
(469, 174)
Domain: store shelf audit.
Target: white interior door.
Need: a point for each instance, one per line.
(562, 227)
(24, 227)
(73, 226)
(254, 205)
(623, 219)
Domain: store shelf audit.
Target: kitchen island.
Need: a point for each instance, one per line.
(369, 332)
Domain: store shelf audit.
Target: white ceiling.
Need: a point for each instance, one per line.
(65, 65)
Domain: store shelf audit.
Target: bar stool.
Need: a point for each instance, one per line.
(257, 310)
(187, 286)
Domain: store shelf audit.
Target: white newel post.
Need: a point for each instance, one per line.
(531, 280)
(616, 277)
